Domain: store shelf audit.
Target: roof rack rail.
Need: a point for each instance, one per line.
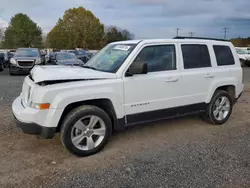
(202, 38)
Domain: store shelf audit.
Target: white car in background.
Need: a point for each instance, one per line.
(7, 56)
(244, 56)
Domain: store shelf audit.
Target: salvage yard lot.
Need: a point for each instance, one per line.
(183, 152)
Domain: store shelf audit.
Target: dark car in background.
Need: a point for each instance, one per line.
(49, 57)
(11, 54)
(1, 61)
(24, 60)
(7, 56)
(83, 55)
(65, 58)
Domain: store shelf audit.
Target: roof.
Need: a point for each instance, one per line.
(200, 38)
(189, 40)
(183, 41)
(127, 42)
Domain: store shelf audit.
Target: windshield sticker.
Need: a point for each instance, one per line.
(122, 47)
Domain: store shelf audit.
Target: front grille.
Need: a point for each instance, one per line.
(26, 63)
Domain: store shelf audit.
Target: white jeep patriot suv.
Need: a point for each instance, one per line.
(127, 83)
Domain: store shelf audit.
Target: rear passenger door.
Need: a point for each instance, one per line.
(197, 73)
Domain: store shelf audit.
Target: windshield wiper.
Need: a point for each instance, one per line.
(89, 67)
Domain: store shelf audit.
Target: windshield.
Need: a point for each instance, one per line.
(65, 56)
(111, 57)
(27, 53)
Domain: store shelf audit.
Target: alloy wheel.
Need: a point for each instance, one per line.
(88, 132)
(221, 108)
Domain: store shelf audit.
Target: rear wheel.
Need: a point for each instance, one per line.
(220, 108)
(85, 130)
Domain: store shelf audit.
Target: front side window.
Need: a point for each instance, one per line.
(195, 56)
(223, 55)
(158, 58)
(111, 57)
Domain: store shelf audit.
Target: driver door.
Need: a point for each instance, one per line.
(151, 96)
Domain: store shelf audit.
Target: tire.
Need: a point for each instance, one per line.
(69, 132)
(210, 115)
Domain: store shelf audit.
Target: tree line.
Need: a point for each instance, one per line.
(78, 28)
(241, 42)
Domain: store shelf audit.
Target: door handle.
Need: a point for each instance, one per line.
(209, 76)
(170, 79)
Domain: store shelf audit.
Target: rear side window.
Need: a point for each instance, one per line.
(195, 56)
(223, 55)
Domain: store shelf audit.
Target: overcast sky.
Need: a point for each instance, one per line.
(144, 18)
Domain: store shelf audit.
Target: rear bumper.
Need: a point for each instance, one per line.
(24, 121)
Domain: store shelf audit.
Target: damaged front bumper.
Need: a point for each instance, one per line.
(24, 120)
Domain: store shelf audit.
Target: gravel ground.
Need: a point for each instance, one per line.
(177, 153)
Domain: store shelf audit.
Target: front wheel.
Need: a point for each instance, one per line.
(85, 130)
(220, 108)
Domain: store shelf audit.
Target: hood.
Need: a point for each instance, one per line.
(67, 73)
(69, 62)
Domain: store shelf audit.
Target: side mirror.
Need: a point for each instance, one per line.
(137, 68)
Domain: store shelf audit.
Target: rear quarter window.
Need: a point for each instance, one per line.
(224, 55)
